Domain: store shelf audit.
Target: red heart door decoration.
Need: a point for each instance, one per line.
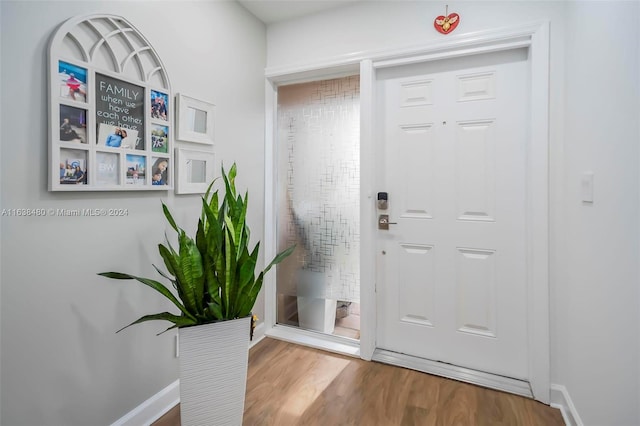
(446, 24)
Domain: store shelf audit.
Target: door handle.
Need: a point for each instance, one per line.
(383, 222)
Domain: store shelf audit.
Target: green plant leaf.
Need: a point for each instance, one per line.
(232, 178)
(208, 191)
(280, 257)
(211, 283)
(178, 321)
(211, 230)
(208, 194)
(251, 291)
(216, 310)
(172, 262)
(232, 230)
(167, 214)
(230, 289)
(209, 210)
(191, 276)
(241, 226)
(220, 272)
(248, 267)
(151, 283)
(163, 274)
(250, 298)
(230, 187)
(167, 255)
(169, 328)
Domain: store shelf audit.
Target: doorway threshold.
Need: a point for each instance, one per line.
(450, 371)
(316, 340)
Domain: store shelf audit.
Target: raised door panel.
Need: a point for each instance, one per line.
(416, 284)
(415, 150)
(475, 291)
(475, 170)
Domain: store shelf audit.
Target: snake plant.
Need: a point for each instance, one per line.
(213, 275)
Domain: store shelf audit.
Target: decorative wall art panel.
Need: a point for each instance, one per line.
(108, 106)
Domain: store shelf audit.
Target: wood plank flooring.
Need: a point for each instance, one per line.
(291, 385)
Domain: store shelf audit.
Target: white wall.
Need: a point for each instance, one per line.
(379, 25)
(594, 125)
(61, 362)
(1, 204)
(599, 358)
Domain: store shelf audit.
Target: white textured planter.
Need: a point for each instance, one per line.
(213, 373)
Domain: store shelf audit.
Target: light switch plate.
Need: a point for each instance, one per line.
(587, 187)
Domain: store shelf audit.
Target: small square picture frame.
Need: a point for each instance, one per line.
(72, 81)
(194, 170)
(136, 172)
(73, 124)
(195, 120)
(159, 105)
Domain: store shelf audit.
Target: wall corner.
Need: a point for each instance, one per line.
(561, 400)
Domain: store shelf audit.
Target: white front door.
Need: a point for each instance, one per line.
(451, 274)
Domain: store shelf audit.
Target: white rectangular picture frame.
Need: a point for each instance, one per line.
(195, 121)
(194, 170)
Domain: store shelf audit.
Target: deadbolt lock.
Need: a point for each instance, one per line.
(382, 200)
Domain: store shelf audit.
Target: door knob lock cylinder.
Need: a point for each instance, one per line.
(383, 222)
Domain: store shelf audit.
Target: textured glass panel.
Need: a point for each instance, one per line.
(318, 199)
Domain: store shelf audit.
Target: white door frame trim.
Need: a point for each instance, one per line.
(535, 36)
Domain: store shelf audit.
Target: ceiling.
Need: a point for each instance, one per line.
(270, 11)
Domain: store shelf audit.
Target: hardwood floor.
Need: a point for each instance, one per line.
(289, 384)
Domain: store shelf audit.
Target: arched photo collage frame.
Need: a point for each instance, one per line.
(110, 109)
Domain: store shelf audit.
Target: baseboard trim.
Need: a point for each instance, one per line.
(258, 335)
(159, 404)
(493, 381)
(561, 400)
(153, 408)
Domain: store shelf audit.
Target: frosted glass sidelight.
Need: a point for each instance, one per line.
(318, 196)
